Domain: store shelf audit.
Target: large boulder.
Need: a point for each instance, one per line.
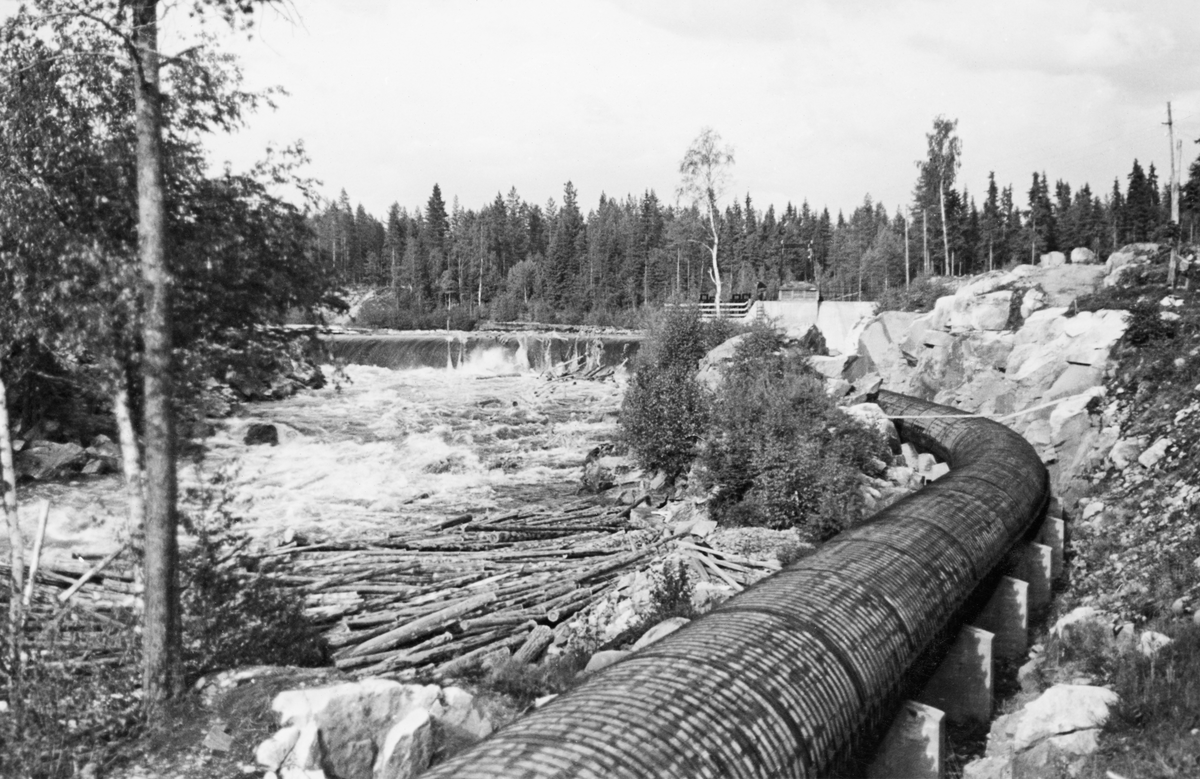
(1064, 708)
(1083, 256)
(979, 312)
(1034, 299)
(830, 367)
(1053, 260)
(1127, 259)
(1126, 451)
(460, 719)
(261, 433)
(407, 748)
(872, 416)
(879, 346)
(46, 460)
(713, 363)
(1051, 734)
(351, 722)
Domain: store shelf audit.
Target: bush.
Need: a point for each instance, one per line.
(1146, 324)
(671, 590)
(234, 614)
(665, 412)
(79, 694)
(663, 416)
(919, 296)
(525, 683)
(1151, 730)
(678, 336)
(405, 312)
(780, 453)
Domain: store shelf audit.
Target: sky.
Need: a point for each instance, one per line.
(822, 100)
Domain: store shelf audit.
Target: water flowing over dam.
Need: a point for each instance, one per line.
(516, 352)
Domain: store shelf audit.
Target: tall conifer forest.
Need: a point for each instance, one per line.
(511, 260)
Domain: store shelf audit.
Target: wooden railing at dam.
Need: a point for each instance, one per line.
(797, 676)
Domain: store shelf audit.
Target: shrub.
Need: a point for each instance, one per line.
(525, 683)
(234, 614)
(678, 336)
(404, 312)
(1146, 324)
(1151, 731)
(663, 416)
(779, 452)
(665, 412)
(78, 696)
(919, 296)
(671, 590)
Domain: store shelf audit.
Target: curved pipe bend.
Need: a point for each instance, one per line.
(790, 678)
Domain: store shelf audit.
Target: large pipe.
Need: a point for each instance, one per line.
(797, 676)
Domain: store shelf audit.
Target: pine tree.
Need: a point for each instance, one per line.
(990, 224)
(437, 222)
(394, 246)
(1143, 212)
(1041, 236)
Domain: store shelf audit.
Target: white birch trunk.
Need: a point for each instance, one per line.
(8, 482)
(715, 270)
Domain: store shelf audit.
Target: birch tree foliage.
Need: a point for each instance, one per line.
(705, 172)
(110, 151)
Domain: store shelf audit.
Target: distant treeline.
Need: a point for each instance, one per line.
(512, 259)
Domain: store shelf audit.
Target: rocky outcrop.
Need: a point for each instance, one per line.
(373, 729)
(1007, 344)
(46, 460)
(1051, 734)
(1129, 259)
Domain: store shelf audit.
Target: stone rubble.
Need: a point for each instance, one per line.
(1041, 368)
(372, 729)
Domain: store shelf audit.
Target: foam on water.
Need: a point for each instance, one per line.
(387, 449)
(394, 447)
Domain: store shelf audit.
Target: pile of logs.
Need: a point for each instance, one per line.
(725, 568)
(432, 601)
(98, 590)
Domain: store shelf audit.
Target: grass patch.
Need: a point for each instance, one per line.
(1155, 729)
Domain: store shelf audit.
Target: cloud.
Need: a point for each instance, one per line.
(1142, 50)
(759, 20)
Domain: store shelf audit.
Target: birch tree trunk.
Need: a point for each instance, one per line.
(131, 463)
(715, 270)
(161, 678)
(8, 483)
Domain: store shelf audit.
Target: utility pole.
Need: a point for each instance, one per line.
(1174, 261)
(1174, 175)
(907, 264)
(925, 239)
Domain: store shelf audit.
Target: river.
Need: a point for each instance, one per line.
(375, 449)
